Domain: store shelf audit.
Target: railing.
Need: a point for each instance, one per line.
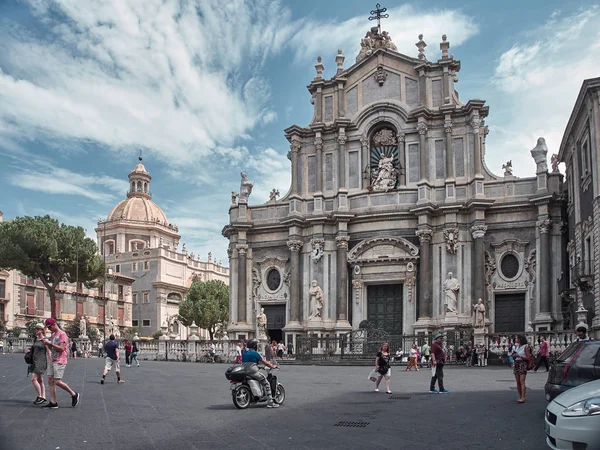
(558, 341)
(583, 269)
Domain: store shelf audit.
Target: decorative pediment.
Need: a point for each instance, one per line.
(383, 249)
(509, 245)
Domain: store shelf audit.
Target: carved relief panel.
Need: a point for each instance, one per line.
(270, 280)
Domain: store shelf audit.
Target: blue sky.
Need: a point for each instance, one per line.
(206, 88)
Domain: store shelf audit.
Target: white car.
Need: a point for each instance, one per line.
(573, 418)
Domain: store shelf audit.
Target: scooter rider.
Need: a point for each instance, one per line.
(251, 359)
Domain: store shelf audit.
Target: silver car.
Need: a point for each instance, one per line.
(573, 418)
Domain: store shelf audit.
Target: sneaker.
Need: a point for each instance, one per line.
(433, 391)
(50, 406)
(40, 401)
(273, 405)
(444, 391)
(75, 400)
(101, 380)
(376, 389)
(121, 381)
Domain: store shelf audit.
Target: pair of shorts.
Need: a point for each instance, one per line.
(110, 363)
(56, 371)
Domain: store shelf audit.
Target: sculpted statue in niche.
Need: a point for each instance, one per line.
(245, 188)
(316, 300)
(256, 282)
(261, 324)
(82, 327)
(385, 174)
(479, 309)
(385, 137)
(451, 289)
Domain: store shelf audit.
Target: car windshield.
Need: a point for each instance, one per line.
(566, 356)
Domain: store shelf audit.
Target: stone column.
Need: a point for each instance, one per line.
(449, 151)
(425, 275)
(366, 159)
(545, 273)
(475, 122)
(342, 274)
(295, 246)
(295, 147)
(422, 129)
(478, 269)
(402, 158)
(341, 159)
(319, 150)
(242, 250)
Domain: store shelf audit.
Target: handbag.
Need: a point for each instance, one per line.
(373, 375)
(383, 369)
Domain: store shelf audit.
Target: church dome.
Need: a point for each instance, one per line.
(138, 208)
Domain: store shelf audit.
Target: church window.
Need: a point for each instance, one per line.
(146, 265)
(109, 247)
(175, 327)
(134, 267)
(2, 289)
(135, 323)
(273, 279)
(134, 298)
(146, 322)
(117, 268)
(133, 186)
(146, 297)
(139, 186)
(510, 266)
(384, 166)
(146, 188)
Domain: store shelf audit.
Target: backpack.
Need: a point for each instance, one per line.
(29, 356)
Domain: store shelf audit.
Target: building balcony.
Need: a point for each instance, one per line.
(583, 272)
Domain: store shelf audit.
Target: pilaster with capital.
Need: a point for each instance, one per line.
(478, 231)
(422, 129)
(425, 298)
(319, 161)
(242, 250)
(544, 227)
(295, 246)
(341, 139)
(364, 146)
(402, 157)
(475, 124)
(342, 273)
(295, 147)
(449, 151)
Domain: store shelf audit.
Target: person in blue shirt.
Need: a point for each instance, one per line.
(251, 358)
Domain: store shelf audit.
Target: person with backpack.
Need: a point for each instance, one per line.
(134, 355)
(38, 364)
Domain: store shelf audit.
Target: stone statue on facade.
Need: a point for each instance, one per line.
(539, 155)
(451, 238)
(479, 309)
(554, 163)
(82, 327)
(256, 282)
(451, 289)
(273, 195)
(374, 40)
(234, 196)
(245, 188)
(385, 174)
(261, 324)
(508, 169)
(316, 300)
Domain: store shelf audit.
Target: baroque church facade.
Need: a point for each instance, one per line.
(393, 216)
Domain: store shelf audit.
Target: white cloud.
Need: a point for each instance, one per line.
(62, 181)
(404, 25)
(536, 83)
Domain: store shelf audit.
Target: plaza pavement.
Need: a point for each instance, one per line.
(184, 406)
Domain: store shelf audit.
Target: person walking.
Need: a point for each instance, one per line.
(238, 353)
(112, 359)
(425, 352)
(522, 356)
(58, 344)
(100, 349)
(10, 346)
(280, 349)
(134, 355)
(268, 351)
(438, 359)
(412, 359)
(382, 366)
(74, 350)
(543, 354)
(127, 354)
(39, 357)
(290, 348)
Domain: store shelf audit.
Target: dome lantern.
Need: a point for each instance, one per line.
(139, 181)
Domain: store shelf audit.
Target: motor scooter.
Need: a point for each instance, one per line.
(246, 391)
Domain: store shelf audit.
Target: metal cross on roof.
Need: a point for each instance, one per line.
(377, 13)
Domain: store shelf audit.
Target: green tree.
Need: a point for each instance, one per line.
(30, 326)
(207, 304)
(41, 247)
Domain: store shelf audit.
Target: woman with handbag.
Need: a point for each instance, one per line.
(39, 358)
(523, 358)
(382, 366)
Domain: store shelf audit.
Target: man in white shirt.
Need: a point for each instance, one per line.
(212, 350)
(582, 334)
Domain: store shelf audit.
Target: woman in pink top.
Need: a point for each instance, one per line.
(543, 354)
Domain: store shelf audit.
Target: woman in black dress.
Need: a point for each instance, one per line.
(40, 364)
(382, 365)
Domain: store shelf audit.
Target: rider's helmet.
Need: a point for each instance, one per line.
(252, 344)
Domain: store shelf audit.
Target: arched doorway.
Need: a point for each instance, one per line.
(275, 321)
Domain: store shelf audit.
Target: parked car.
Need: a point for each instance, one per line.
(573, 418)
(578, 364)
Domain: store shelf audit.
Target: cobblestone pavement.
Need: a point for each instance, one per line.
(188, 406)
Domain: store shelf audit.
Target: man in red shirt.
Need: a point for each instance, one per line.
(127, 354)
(543, 354)
(438, 358)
